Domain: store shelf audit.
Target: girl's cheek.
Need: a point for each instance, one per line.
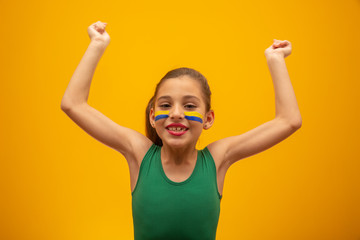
(194, 116)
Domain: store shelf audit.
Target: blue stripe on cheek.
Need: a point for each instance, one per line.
(158, 117)
(193, 118)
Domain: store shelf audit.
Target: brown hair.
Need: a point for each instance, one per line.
(150, 131)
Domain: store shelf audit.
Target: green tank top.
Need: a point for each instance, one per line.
(163, 209)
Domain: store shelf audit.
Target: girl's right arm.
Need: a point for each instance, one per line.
(131, 144)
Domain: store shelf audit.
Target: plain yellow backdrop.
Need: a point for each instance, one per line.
(57, 182)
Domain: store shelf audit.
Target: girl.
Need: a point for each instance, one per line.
(176, 189)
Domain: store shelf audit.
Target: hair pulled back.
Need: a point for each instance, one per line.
(178, 72)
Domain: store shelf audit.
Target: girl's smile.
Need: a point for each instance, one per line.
(177, 132)
(176, 129)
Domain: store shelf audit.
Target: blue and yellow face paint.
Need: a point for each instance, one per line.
(193, 116)
(161, 114)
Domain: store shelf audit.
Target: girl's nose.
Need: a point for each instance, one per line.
(176, 113)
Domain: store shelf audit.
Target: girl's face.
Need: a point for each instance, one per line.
(181, 97)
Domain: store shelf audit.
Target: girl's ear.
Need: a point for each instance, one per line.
(209, 119)
(152, 117)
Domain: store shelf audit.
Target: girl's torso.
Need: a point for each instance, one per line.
(178, 174)
(176, 202)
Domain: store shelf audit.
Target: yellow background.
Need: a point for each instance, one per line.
(57, 182)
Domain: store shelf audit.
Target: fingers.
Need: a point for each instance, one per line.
(279, 43)
(99, 26)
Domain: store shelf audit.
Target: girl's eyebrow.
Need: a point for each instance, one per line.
(164, 97)
(184, 97)
(191, 96)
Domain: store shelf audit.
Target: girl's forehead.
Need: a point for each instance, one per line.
(180, 86)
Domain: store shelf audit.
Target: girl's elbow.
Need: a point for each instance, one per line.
(65, 105)
(296, 123)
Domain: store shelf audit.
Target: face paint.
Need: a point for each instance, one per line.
(194, 116)
(161, 114)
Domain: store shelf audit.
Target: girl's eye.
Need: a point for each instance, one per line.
(190, 106)
(165, 105)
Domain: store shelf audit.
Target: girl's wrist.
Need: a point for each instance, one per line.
(98, 45)
(274, 56)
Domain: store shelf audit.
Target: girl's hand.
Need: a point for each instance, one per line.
(282, 48)
(98, 34)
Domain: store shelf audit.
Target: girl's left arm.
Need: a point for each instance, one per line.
(287, 118)
(285, 100)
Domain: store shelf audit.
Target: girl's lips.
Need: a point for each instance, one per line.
(176, 133)
(176, 125)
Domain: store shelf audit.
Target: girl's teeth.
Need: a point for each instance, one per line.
(176, 129)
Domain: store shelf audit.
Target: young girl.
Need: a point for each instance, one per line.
(176, 189)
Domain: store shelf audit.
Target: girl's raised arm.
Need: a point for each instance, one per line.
(132, 144)
(287, 119)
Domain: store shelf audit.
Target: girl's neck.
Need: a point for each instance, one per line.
(178, 156)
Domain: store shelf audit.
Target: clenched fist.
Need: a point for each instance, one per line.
(98, 34)
(282, 48)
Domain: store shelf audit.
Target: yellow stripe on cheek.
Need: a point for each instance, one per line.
(195, 114)
(162, 113)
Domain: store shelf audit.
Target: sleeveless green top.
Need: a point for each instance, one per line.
(163, 209)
